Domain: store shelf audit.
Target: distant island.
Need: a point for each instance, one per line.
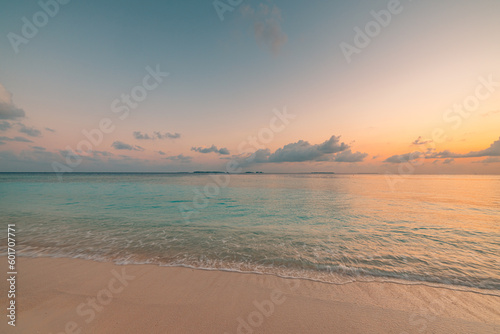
(221, 172)
(208, 172)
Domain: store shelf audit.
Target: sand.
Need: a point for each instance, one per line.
(57, 295)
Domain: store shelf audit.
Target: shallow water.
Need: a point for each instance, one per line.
(332, 228)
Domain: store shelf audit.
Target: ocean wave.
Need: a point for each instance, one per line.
(333, 274)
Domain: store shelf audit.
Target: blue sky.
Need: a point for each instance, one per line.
(226, 78)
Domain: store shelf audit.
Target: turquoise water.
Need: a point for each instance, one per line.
(332, 228)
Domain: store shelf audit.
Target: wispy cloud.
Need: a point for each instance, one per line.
(348, 156)
(30, 131)
(5, 126)
(102, 153)
(489, 113)
(180, 158)
(490, 160)
(213, 148)
(7, 108)
(118, 145)
(156, 135)
(396, 159)
(267, 21)
(4, 139)
(492, 151)
(420, 141)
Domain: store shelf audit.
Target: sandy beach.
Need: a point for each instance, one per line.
(59, 295)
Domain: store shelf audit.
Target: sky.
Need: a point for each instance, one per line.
(408, 87)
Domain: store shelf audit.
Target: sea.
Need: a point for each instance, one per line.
(423, 229)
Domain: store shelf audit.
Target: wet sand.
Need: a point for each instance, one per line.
(58, 295)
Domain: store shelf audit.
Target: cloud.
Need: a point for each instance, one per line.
(213, 148)
(396, 159)
(261, 156)
(38, 148)
(489, 113)
(492, 151)
(167, 135)
(32, 132)
(420, 141)
(302, 151)
(28, 161)
(7, 108)
(161, 152)
(348, 156)
(17, 139)
(139, 135)
(439, 155)
(180, 158)
(34, 156)
(118, 145)
(5, 126)
(102, 153)
(156, 135)
(88, 154)
(490, 160)
(267, 26)
(49, 129)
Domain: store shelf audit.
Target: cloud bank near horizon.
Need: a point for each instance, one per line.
(490, 153)
(302, 151)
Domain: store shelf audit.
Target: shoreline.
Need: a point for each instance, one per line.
(361, 279)
(67, 295)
